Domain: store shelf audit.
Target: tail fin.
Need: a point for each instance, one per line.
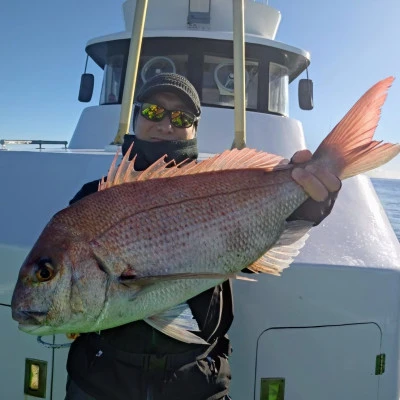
(349, 149)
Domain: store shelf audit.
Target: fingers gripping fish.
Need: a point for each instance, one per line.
(148, 241)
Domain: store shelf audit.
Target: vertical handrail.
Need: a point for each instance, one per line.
(131, 70)
(239, 141)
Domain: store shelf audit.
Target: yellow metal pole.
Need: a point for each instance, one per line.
(131, 70)
(239, 141)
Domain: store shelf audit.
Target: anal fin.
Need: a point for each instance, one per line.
(176, 323)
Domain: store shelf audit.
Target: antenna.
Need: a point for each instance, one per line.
(239, 141)
(131, 70)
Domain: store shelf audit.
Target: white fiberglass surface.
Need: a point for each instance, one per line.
(260, 19)
(11, 259)
(16, 347)
(273, 133)
(356, 233)
(39, 185)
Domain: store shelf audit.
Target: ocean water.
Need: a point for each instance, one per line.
(388, 191)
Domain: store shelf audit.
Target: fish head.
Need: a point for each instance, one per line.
(60, 287)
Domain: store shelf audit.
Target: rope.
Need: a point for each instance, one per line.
(52, 345)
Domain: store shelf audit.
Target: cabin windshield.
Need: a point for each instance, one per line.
(207, 63)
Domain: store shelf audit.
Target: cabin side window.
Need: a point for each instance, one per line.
(110, 91)
(278, 97)
(218, 82)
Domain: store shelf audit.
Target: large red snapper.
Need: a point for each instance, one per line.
(148, 241)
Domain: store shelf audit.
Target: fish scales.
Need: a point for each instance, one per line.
(183, 229)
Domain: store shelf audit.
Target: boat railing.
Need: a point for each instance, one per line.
(4, 142)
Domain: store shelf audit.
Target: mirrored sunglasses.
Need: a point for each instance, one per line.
(156, 113)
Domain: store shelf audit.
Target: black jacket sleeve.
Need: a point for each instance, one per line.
(87, 188)
(314, 211)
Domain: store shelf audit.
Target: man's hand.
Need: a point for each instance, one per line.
(316, 180)
(320, 184)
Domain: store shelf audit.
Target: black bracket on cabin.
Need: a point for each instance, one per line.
(199, 13)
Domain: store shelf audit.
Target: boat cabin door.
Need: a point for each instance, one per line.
(314, 363)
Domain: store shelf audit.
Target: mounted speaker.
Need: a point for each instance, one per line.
(155, 66)
(224, 79)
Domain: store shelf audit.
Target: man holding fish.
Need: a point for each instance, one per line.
(135, 360)
(140, 266)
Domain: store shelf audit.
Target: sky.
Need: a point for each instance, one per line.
(353, 44)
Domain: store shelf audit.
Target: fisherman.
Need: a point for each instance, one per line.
(136, 361)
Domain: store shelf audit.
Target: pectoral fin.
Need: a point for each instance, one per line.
(176, 323)
(282, 253)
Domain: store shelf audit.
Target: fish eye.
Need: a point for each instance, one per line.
(45, 270)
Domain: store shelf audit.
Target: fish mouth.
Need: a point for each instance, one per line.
(29, 317)
(34, 329)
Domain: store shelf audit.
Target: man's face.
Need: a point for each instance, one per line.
(163, 130)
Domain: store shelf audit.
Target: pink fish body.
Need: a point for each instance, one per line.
(148, 241)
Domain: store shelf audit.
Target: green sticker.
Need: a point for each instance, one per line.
(272, 389)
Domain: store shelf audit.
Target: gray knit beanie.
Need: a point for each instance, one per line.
(174, 83)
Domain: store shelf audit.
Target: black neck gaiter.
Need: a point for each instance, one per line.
(149, 152)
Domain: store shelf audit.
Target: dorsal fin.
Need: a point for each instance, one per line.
(228, 160)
